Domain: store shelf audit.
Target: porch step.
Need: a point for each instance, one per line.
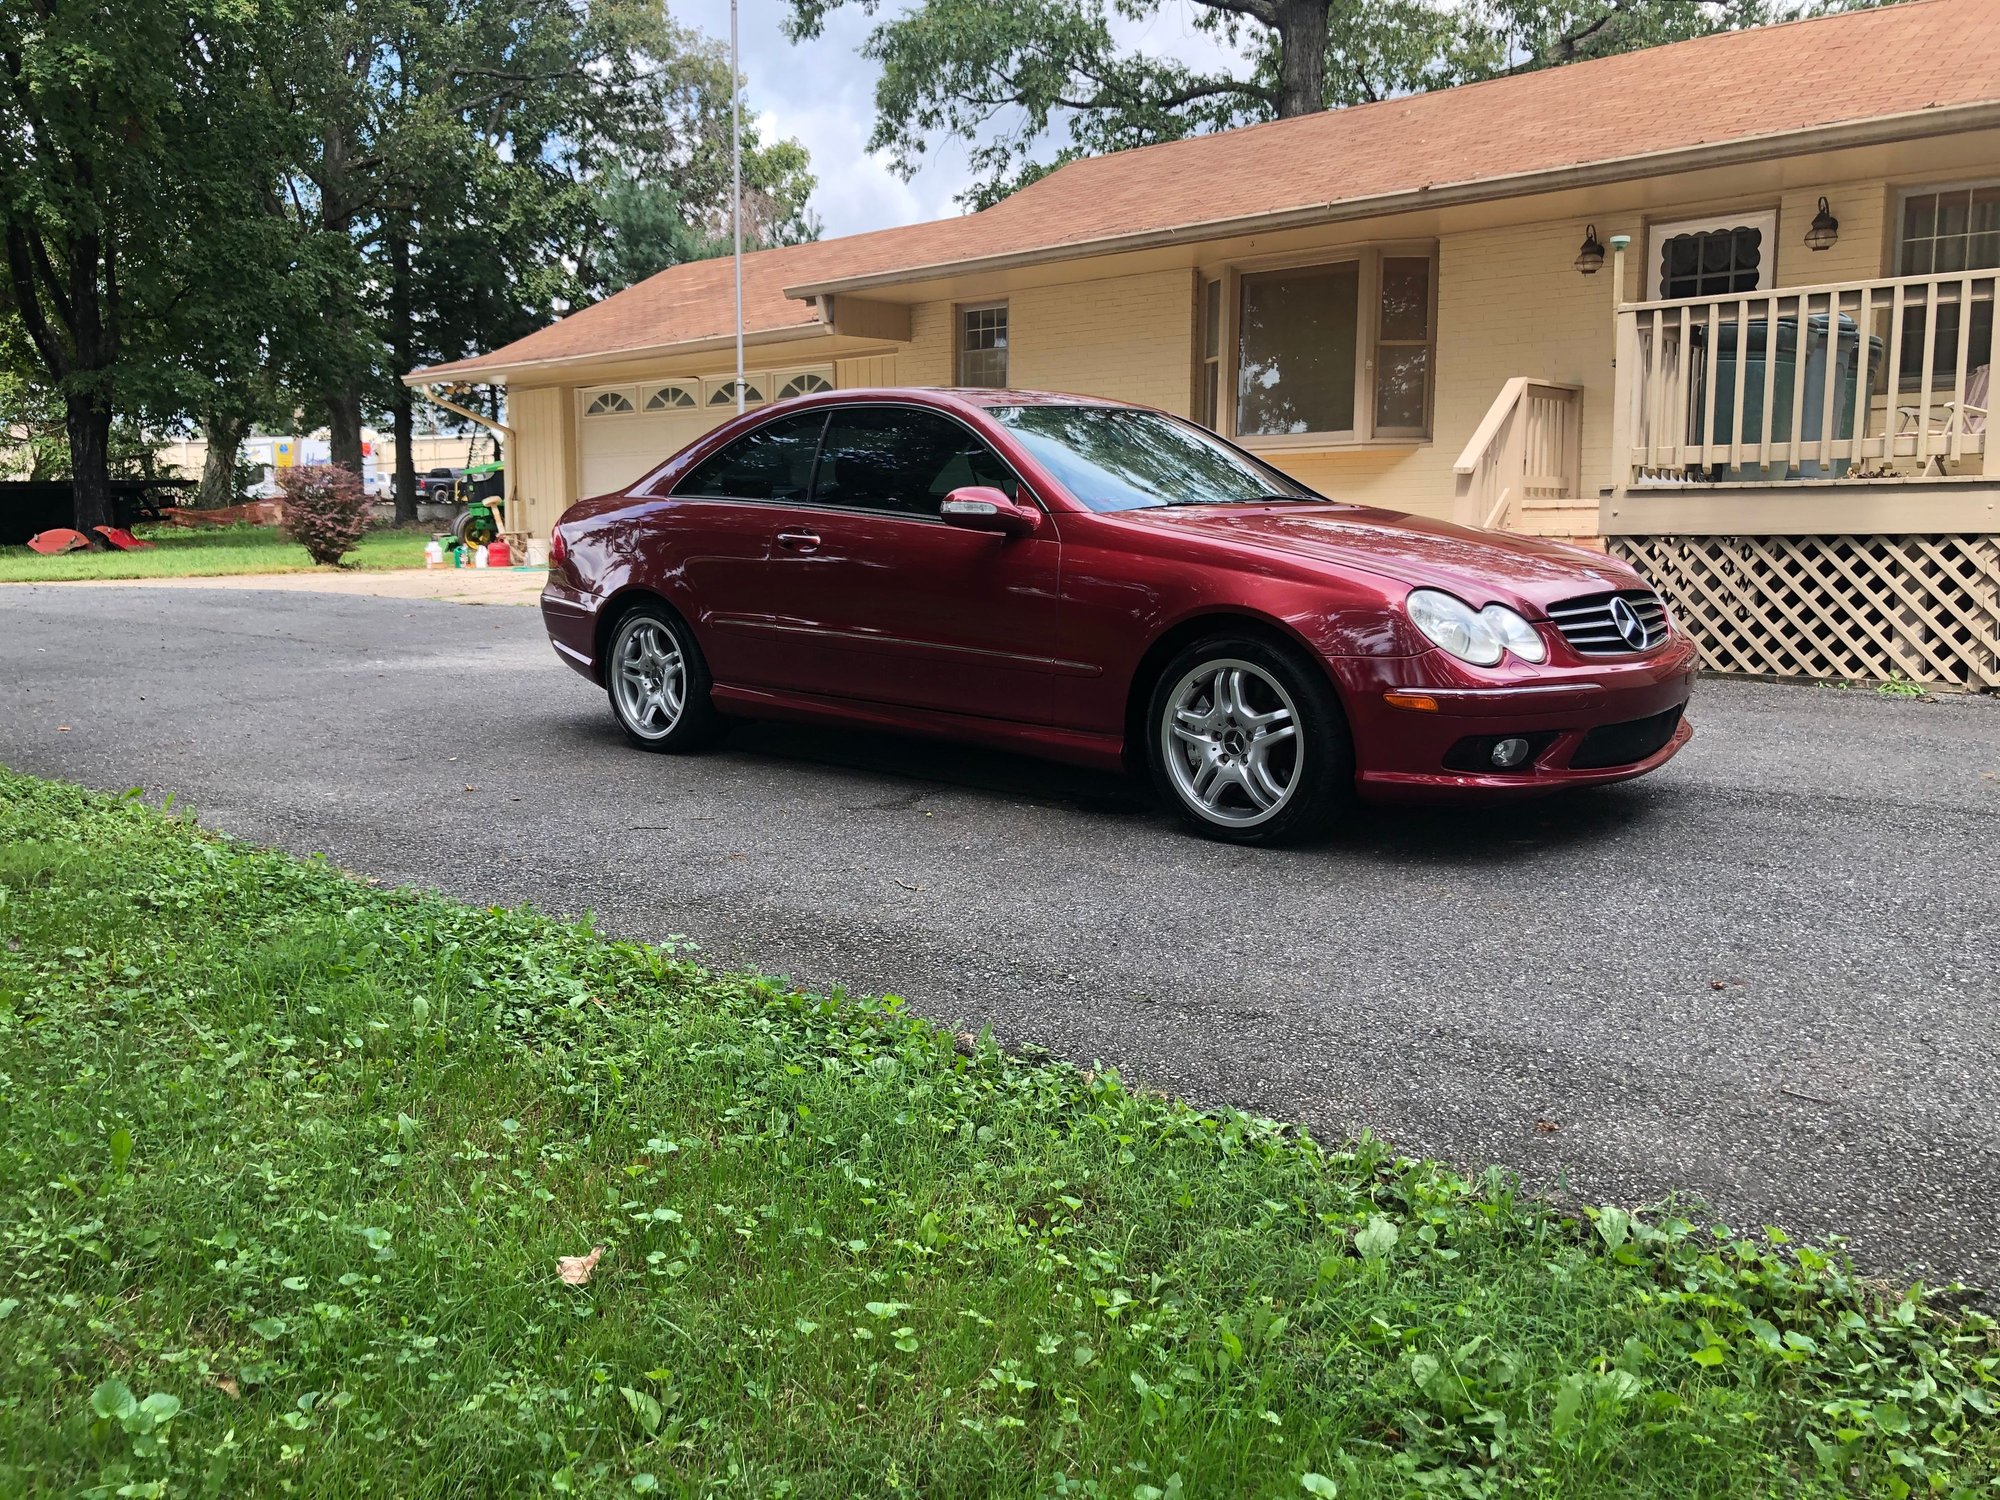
(1561, 518)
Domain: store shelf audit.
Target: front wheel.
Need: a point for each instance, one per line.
(1248, 743)
(659, 683)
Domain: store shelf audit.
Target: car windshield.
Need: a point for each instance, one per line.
(1118, 458)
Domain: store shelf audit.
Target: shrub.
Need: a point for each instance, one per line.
(326, 510)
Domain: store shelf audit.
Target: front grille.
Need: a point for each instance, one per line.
(1591, 623)
(1627, 743)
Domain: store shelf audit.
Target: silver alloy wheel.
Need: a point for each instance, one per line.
(648, 677)
(1232, 742)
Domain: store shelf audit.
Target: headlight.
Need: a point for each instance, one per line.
(1515, 633)
(1478, 636)
(1455, 625)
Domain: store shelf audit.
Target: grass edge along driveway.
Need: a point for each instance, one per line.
(211, 553)
(289, 1162)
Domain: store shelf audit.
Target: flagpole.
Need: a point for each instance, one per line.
(736, 191)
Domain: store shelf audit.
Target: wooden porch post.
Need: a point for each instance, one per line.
(1624, 366)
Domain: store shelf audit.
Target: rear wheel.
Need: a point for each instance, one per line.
(1248, 743)
(659, 683)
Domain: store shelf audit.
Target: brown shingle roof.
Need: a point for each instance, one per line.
(1737, 87)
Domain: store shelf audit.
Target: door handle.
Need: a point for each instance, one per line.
(799, 541)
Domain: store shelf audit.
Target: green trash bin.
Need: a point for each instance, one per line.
(1743, 349)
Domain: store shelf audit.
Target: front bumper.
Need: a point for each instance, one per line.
(1401, 754)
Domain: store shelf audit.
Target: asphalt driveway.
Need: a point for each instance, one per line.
(1769, 975)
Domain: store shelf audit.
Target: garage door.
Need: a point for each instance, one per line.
(627, 430)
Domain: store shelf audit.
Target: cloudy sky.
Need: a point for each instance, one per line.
(823, 93)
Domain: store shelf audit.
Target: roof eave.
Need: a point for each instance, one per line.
(1873, 131)
(495, 373)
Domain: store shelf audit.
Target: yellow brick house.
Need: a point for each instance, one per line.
(1723, 307)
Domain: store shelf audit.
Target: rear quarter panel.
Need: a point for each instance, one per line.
(701, 557)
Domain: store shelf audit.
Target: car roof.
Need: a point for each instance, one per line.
(978, 396)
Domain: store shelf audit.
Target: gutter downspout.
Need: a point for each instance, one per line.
(507, 455)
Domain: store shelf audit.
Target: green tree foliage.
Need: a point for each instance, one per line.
(1026, 85)
(221, 213)
(131, 131)
(470, 160)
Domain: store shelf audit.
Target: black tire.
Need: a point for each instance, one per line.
(1223, 705)
(673, 726)
(474, 532)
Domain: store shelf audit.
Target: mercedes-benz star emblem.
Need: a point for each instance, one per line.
(1628, 624)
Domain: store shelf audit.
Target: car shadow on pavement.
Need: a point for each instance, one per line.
(973, 768)
(1472, 835)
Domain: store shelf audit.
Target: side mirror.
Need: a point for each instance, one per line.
(981, 507)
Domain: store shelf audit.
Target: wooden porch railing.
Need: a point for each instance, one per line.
(1528, 448)
(1882, 379)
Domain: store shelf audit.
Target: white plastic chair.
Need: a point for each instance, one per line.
(1967, 418)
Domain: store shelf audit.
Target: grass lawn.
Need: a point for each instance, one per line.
(287, 1163)
(209, 554)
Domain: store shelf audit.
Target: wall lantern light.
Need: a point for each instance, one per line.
(1590, 259)
(1825, 229)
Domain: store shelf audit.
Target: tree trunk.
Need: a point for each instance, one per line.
(1302, 32)
(403, 406)
(343, 422)
(218, 467)
(88, 420)
(404, 413)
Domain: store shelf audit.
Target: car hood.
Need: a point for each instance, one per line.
(1481, 567)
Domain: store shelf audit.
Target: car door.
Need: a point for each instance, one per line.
(718, 537)
(886, 602)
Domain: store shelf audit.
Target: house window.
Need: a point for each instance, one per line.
(608, 404)
(1947, 230)
(1296, 350)
(1712, 262)
(1341, 350)
(982, 345)
(1951, 229)
(1208, 397)
(1723, 256)
(1403, 340)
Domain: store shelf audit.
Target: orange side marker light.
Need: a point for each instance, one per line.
(1421, 702)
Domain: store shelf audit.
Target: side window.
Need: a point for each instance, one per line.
(775, 462)
(902, 459)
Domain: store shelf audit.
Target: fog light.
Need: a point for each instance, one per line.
(1509, 753)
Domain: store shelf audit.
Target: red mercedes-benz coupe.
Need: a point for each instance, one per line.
(1111, 585)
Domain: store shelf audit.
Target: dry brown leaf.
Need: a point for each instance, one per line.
(1548, 1127)
(229, 1388)
(576, 1269)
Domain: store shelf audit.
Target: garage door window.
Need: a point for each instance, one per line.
(805, 383)
(608, 404)
(671, 398)
(773, 463)
(724, 393)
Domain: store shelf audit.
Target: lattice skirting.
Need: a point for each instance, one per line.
(1844, 607)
